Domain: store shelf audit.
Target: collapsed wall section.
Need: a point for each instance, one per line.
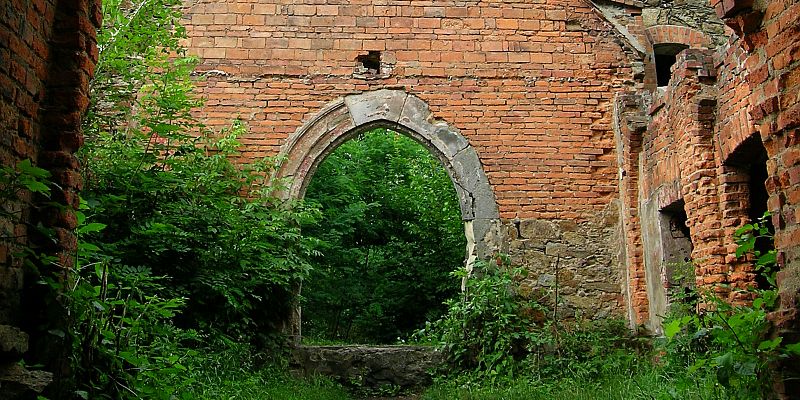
(719, 147)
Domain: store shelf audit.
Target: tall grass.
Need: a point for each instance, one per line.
(642, 382)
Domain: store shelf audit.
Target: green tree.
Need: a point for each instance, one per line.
(391, 234)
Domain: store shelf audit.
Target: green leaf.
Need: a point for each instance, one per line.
(767, 259)
(92, 227)
(671, 328)
(743, 229)
(769, 345)
(793, 348)
(81, 217)
(724, 369)
(27, 168)
(87, 247)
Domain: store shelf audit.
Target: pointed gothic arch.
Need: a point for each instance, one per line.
(402, 112)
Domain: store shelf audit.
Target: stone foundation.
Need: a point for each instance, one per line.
(395, 368)
(574, 265)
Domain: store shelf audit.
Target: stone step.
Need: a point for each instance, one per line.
(370, 368)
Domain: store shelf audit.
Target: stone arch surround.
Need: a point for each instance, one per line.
(346, 117)
(395, 109)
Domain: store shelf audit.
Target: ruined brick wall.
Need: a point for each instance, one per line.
(704, 136)
(769, 35)
(679, 162)
(529, 84)
(695, 14)
(47, 54)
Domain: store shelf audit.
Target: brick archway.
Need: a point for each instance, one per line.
(694, 39)
(346, 117)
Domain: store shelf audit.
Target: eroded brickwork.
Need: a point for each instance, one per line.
(47, 56)
(531, 86)
(558, 98)
(679, 153)
(769, 34)
(703, 145)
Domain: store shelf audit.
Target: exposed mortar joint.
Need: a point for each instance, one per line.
(211, 73)
(530, 80)
(402, 108)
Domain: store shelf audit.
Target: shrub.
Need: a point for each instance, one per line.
(732, 342)
(493, 334)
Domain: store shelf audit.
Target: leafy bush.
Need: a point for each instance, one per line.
(493, 334)
(177, 244)
(168, 192)
(732, 342)
(123, 341)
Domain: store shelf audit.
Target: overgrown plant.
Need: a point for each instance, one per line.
(732, 342)
(486, 330)
(185, 244)
(493, 334)
(20, 185)
(168, 191)
(124, 344)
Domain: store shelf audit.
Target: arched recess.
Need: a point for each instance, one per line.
(346, 117)
(665, 42)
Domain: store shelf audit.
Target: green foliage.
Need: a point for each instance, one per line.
(123, 341)
(391, 232)
(19, 185)
(141, 79)
(210, 227)
(177, 244)
(486, 327)
(233, 371)
(751, 239)
(634, 379)
(731, 342)
(171, 198)
(494, 335)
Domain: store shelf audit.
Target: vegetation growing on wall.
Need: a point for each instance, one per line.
(391, 233)
(180, 248)
(186, 262)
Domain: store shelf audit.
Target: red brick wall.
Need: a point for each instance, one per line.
(630, 125)
(530, 84)
(701, 124)
(679, 148)
(47, 56)
(769, 34)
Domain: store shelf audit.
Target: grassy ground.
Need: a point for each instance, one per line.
(267, 384)
(645, 384)
(235, 375)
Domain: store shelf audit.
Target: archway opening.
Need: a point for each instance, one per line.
(391, 233)
(665, 56)
(750, 161)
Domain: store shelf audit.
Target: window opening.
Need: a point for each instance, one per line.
(676, 241)
(751, 158)
(665, 55)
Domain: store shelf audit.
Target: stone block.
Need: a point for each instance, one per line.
(538, 229)
(13, 342)
(375, 106)
(369, 367)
